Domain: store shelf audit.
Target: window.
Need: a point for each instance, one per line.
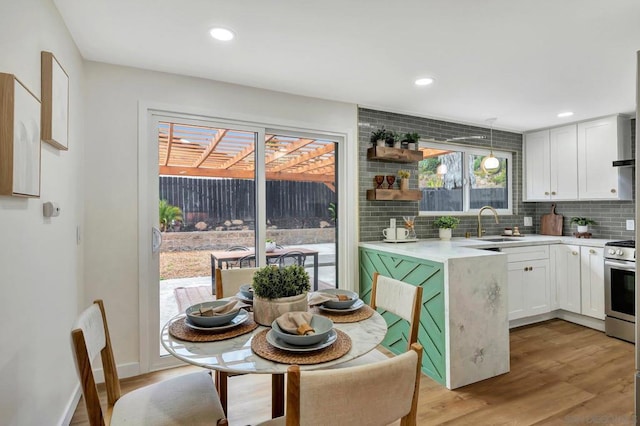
(452, 179)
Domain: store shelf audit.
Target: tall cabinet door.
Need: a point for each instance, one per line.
(563, 161)
(537, 167)
(565, 271)
(592, 271)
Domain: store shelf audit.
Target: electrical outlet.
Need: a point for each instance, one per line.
(631, 225)
(528, 221)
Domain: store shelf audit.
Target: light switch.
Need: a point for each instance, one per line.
(528, 221)
(631, 225)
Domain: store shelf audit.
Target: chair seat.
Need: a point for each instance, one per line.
(189, 399)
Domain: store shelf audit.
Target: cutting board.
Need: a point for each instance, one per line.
(551, 224)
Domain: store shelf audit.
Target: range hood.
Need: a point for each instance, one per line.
(624, 163)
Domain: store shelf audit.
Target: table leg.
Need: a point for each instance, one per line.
(277, 395)
(315, 272)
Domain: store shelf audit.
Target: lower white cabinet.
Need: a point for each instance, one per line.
(592, 280)
(565, 277)
(528, 280)
(577, 275)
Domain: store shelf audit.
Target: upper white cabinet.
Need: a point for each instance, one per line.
(575, 162)
(600, 143)
(551, 168)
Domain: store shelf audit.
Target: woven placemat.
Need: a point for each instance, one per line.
(361, 314)
(182, 331)
(261, 347)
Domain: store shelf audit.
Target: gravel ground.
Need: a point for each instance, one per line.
(185, 264)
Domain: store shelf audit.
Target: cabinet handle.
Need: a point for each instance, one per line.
(553, 192)
(592, 251)
(546, 193)
(613, 191)
(575, 253)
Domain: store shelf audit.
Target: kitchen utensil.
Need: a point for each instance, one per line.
(551, 224)
(389, 233)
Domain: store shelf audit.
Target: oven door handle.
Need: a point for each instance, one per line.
(621, 265)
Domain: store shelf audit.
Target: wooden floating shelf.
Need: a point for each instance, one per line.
(395, 155)
(394, 195)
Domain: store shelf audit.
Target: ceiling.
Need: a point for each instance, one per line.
(522, 61)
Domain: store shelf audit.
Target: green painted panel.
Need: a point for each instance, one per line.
(426, 274)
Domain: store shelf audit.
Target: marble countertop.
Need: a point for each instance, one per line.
(441, 251)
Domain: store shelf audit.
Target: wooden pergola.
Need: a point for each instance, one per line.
(188, 150)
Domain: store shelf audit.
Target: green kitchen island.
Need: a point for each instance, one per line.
(463, 323)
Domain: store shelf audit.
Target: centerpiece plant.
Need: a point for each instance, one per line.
(279, 290)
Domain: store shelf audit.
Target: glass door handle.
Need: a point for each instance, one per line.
(156, 240)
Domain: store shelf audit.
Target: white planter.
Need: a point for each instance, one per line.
(271, 246)
(265, 311)
(445, 233)
(583, 229)
(381, 142)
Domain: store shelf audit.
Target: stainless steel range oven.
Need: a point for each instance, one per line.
(620, 289)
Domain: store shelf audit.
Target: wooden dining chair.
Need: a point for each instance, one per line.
(366, 395)
(188, 399)
(399, 298)
(228, 282)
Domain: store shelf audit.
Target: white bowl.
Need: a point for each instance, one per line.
(213, 321)
(336, 304)
(321, 325)
(247, 291)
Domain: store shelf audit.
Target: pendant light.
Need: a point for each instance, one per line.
(490, 164)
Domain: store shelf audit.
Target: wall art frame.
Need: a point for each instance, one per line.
(55, 102)
(20, 146)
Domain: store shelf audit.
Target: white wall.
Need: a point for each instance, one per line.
(40, 262)
(111, 238)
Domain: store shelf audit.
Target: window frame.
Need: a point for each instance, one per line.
(467, 150)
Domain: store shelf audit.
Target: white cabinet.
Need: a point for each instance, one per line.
(551, 164)
(592, 281)
(600, 142)
(528, 281)
(564, 265)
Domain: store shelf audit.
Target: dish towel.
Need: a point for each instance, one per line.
(231, 306)
(318, 298)
(296, 323)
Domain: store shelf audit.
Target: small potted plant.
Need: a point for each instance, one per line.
(411, 140)
(379, 137)
(583, 223)
(270, 245)
(445, 224)
(394, 139)
(277, 291)
(403, 177)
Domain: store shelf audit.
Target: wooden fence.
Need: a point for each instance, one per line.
(228, 199)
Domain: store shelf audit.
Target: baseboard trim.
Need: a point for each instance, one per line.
(583, 320)
(71, 406)
(124, 370)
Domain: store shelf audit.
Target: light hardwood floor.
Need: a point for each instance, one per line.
(561, 373)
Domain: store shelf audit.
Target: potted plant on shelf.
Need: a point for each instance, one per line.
(445, 224)
(583, 223)
(394, 139)
(411, 140)
(379, 137)
(403, 177)
(277, 291)
(270, 245)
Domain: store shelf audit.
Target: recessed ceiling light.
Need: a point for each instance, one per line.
(221, 34)
(565, 114)
(424, 81)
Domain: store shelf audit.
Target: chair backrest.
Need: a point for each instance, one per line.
(90, 336)
(238, 248)
(399, 298)
(373, 394)
(247, 261)
(228, 281)
(293, 257)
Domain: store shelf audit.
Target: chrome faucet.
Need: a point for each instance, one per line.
(495, 214)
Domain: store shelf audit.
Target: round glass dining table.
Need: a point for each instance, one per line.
(234, 355)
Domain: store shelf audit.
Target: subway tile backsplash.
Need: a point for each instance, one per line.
(610, 216)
